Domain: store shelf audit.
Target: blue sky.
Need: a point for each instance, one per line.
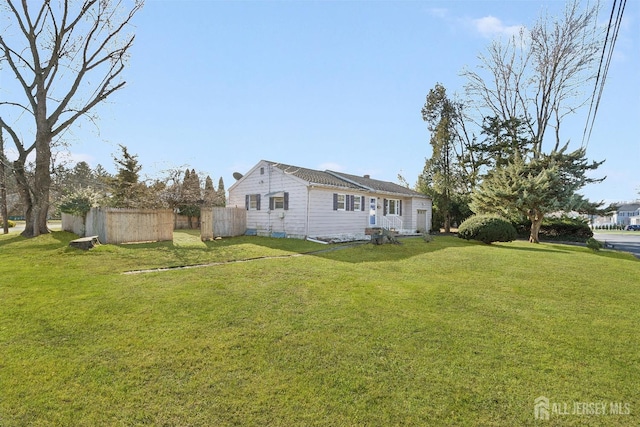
(219, 85)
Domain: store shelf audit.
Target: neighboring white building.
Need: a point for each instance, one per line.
(627, 214)
(291, 201)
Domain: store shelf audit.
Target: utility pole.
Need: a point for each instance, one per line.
(3, 186)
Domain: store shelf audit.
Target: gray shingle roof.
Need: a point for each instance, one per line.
(629, 207)
(314, 176)
(343, 180)
(379, 186)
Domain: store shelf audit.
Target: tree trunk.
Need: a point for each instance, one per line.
(3, 196)
(3, 186)
(447, 222)
(37, 224)
(447, 211)
(536, 222)
(41, 191)
(37, 202)
(25, 194)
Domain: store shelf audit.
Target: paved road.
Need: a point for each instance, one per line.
(54, 226)
(628, 242)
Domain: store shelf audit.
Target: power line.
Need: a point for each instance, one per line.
(610, 42)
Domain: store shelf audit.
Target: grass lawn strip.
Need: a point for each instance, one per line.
(192, 242)
(444, 333)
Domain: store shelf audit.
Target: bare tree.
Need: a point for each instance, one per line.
(540, 75)
(67, 57)
(3, 187)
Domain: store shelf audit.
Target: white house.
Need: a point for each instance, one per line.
(291, 201)
(627, 214)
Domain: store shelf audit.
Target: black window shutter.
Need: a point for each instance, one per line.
(400, 207)
(384, 206)
(353, 199)
(335, 201)
(286, 201)
(257, 202)
(362, 203)
(271, 203)
(246, 202)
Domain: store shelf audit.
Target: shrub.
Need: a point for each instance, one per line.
(80, 202)
(563, 228)
(487, 229)
(593, 244)
(9, 223)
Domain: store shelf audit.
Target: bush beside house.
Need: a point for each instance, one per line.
(487, 229)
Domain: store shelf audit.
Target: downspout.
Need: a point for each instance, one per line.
(267, 202)
(306, 231)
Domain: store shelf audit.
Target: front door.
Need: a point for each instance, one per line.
(422, 220)
(372, 211)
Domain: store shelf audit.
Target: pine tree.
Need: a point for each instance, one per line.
(195, 191)
(191, 196)
(221, 195)
(535, 187)
(209, 192)
(441, 176)
(125, 187)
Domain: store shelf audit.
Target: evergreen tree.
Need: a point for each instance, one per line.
(209, 192)
(126, 190)
(504, 140)
(535, 187)
(195, 191)
(191, 196)
(441, 175)
(221, 194)
(102, 178)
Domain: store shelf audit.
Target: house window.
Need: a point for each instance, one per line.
(252, 202)
(339, 202)
(356, 203)
(394, 207)
(348, 202)
(279, 202)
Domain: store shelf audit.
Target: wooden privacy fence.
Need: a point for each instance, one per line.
(114, 225)
(222, 222)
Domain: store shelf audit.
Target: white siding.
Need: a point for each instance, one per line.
(292, 222)
(325, 222)
(411, 213)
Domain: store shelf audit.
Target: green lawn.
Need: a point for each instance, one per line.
(442, 333)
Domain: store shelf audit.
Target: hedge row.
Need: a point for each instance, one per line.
(564, 228)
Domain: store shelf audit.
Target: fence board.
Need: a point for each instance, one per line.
(222, 222)
(73, 224)
(115, 226)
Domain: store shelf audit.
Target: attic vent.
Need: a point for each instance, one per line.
(367, 176)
